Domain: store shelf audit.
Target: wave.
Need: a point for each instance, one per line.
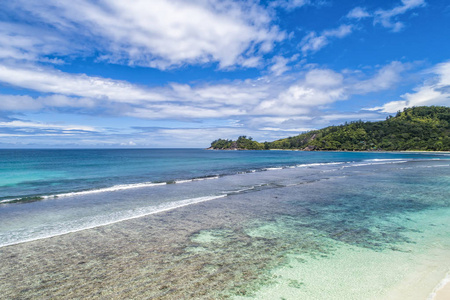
(113, 188)
(383, 162)
(344, 164)
(322, 164)
(114, 218)
(384, 159)
(273, 168)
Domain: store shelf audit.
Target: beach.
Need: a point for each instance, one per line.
(375, 230)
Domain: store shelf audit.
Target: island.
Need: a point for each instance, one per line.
(422, 128)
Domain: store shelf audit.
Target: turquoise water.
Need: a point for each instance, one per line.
(79, 189)
(244, 224)
(28, 173)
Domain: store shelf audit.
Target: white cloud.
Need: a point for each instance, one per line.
(297, 130)
(17, 102)
(52, 81)
(385, 78)
(388, 18)
(313, 42)
(25, 42)
(162, 33)
(279, 65)
(130, 143)
(432, 92)
(175, 111)
(297, 94)
(45, 126)
(350, 116)
(318, 87)
(358, 13)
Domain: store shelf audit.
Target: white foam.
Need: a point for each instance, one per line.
(240, 191)
(383, 159)
(108, 189)
(435, 166)
(183, 181)
(444, 282)
(205, 178)
(115, 218)
(114, 188)
(376, 163)
(319, 164)
(9, 200)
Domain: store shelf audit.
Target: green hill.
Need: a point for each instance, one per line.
(424, 128)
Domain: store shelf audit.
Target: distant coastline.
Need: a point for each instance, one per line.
(424, 128)
(367, 151)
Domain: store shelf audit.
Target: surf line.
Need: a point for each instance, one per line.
(156, 210)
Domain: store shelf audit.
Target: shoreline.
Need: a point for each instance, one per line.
(442, 289)
(350, 151)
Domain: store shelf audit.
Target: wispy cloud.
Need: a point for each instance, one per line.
(294, 94)
(289, 4)
(159, 34)
(386, 77)
(30, 43)
(49, 80)
(18, 102)
(388, 18)
(26, 126)
(435, 91)
(313, 42)
(358, 13)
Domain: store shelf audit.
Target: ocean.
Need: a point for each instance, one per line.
(200, 224)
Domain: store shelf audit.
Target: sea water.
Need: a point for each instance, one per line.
(248, 224)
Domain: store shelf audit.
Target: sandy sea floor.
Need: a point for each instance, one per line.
(294, 242)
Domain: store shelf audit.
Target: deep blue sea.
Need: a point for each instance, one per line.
(251, 224)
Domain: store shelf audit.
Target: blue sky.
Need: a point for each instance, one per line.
(159, 73)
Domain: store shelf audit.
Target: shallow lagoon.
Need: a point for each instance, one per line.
(351, 231)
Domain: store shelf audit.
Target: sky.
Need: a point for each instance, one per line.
(160, 73)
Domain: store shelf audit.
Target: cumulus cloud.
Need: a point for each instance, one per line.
(313, 42)
(161, 33)
(435, 91)
(300, 97)
(389, 18)
(318, 87)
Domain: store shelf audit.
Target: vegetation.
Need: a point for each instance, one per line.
(418, 128)
(242, 143)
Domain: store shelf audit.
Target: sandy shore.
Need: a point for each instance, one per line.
(442, 291)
